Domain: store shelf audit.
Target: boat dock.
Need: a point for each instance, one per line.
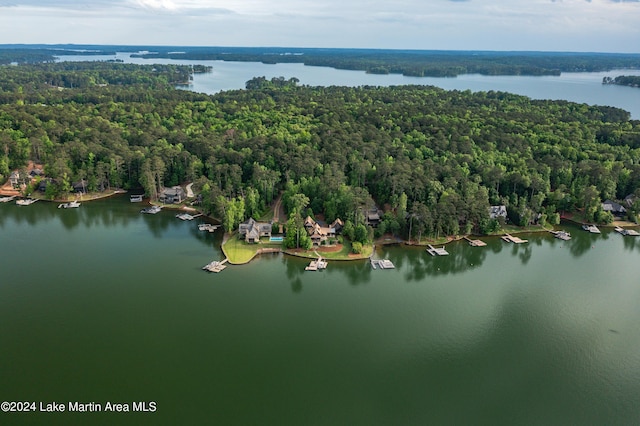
(26, 201)
(382, 264)
(437, 251)
(591, 228)
(7, 199)
(136, 198)
(562, 235)
(184, 216)
(511, 239)
(215, 266)
(627, 232)
(316, 265)
(475, 243)
(208, 227)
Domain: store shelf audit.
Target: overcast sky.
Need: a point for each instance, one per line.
(552, 25)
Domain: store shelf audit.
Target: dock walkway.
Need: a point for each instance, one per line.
(216, 266)
(382, 264)
(316, 265)
(511, 239)
(437, 251)
(475, 243)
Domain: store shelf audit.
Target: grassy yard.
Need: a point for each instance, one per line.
(238, 251)
(343, 254)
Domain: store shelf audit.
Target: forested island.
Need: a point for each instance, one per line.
(623, 80)
(433, 160)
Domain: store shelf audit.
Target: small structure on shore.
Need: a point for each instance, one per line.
(437, 251)
(215, 266)
(511, 239)
(475, 243)
(316, 265)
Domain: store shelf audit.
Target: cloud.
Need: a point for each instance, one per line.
(578, 25)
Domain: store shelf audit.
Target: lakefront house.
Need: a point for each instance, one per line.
(251, 230)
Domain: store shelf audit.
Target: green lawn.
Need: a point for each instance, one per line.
(343, 254)
(238, 251)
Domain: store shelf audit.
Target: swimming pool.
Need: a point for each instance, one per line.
(276, 239)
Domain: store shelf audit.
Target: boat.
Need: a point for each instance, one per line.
(563, 235)
(69, 205)
(151, 210)
(135, 198)
(26, 202)
(6, 199)
(591, 228)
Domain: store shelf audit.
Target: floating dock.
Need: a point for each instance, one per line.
(475, 243)
(316, 265)
(382, 264)
(511, 239)
(215, 266)
(136, 198)
(437, 251)
(26, 201)
(627, 232)
(184, 216)
(208, 227)
(591, 228)
(562, 235)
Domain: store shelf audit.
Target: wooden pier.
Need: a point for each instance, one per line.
(382, 264)
(316, 265)
(437, 251)
(627, 232)
(511, 239)
(562, 235)
(184, 216)
(475, 243)
(208, 227)
(215, 266)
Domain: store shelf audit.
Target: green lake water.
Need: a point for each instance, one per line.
(104, 304)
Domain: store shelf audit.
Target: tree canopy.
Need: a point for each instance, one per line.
(435, 160)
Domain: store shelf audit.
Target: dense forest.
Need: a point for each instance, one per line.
(623, 80)
(434, 160)
(417, 63)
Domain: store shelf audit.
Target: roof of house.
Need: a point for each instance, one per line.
(612, 206)
(174, 190)
(497, 211)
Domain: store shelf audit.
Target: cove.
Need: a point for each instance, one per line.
(104, 304)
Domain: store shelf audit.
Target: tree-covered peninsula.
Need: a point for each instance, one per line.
(623, 80)
(433, 160)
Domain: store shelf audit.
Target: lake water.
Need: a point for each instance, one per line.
(576, 87)
(104, 304)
